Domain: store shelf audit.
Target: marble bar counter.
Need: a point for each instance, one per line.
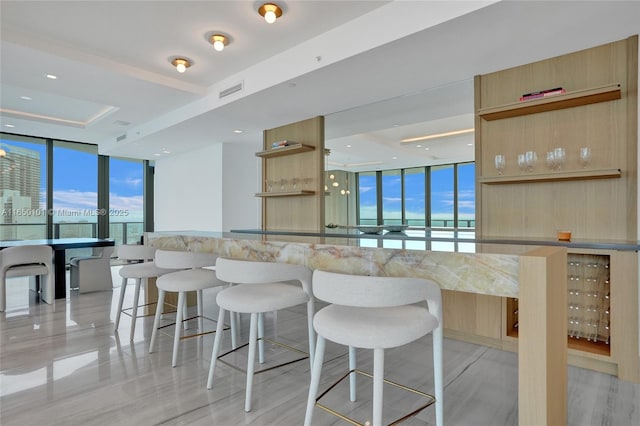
(534, 274)
(460, 266)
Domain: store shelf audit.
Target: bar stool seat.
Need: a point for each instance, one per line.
(144, 269)
(375, 313)
(260, 287)
(194, 276)
(261, 297)
(370, 329)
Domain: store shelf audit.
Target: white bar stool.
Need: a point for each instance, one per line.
(141, 267)
(375, 313)
(260, 288)
(192, 277)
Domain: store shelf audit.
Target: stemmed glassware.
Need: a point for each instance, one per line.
(521, 162)
(560, 157)
(551, 160)
(530, 159)
(500, 163)
(585, 156)
(294, 184)
(306, 181)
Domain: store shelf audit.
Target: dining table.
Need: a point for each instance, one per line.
(60, 247)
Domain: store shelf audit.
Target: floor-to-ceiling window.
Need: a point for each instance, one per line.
(392, 197)
(466, 195)
(441, 196)
(367, 198)
(60, 189)
(126, 194)
(75, 190)
(23, 188)
(415, 207)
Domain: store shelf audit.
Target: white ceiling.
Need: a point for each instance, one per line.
(379, 71)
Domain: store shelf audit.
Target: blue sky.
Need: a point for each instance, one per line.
(73, 193)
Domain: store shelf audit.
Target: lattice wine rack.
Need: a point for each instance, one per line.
(588, 299)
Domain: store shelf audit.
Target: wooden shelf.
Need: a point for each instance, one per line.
(553, 176)
(287, 150)
(598, 348)
(555, 102)
(285, 193)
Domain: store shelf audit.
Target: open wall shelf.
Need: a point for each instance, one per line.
(609, 92)
(553, 176)
(285, 193)
(287, 150)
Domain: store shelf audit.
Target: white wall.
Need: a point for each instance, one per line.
(188, 191)
(210, 189)
(241, 209)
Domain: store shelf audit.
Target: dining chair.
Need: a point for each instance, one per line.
(92, 273)
(260, 287)
(375, 313)
(24, 261)
(191, 272)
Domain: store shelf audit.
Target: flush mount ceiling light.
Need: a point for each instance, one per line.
(270, 12)
(219, 41)
(181, 64)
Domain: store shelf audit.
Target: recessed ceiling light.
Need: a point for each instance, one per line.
(418, 146)
(238, 131)
(394, 158)
(348, 146)
(157, 155)
(426, 149)
(469, 144)
(9, 125)
(51, 76)
(26, 98)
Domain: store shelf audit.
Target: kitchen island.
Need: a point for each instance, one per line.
(534, 274)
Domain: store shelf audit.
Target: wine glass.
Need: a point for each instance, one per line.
(560, 157)
(500, 163)
(283, 184)
(294, 184)
(306, 181)
(521, 162)
(530, 159)
(585, 156)
(551, 160)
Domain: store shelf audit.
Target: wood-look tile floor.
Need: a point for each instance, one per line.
(69, 367)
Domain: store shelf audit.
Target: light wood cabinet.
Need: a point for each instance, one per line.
(597, 202)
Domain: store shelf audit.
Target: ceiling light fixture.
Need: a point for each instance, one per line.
(9, 125)
(238, 131)
(181, 64)
(219, 41)
(3, 153)
(26, 98)
(51, 76)
(270, 12)
(437, 135)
